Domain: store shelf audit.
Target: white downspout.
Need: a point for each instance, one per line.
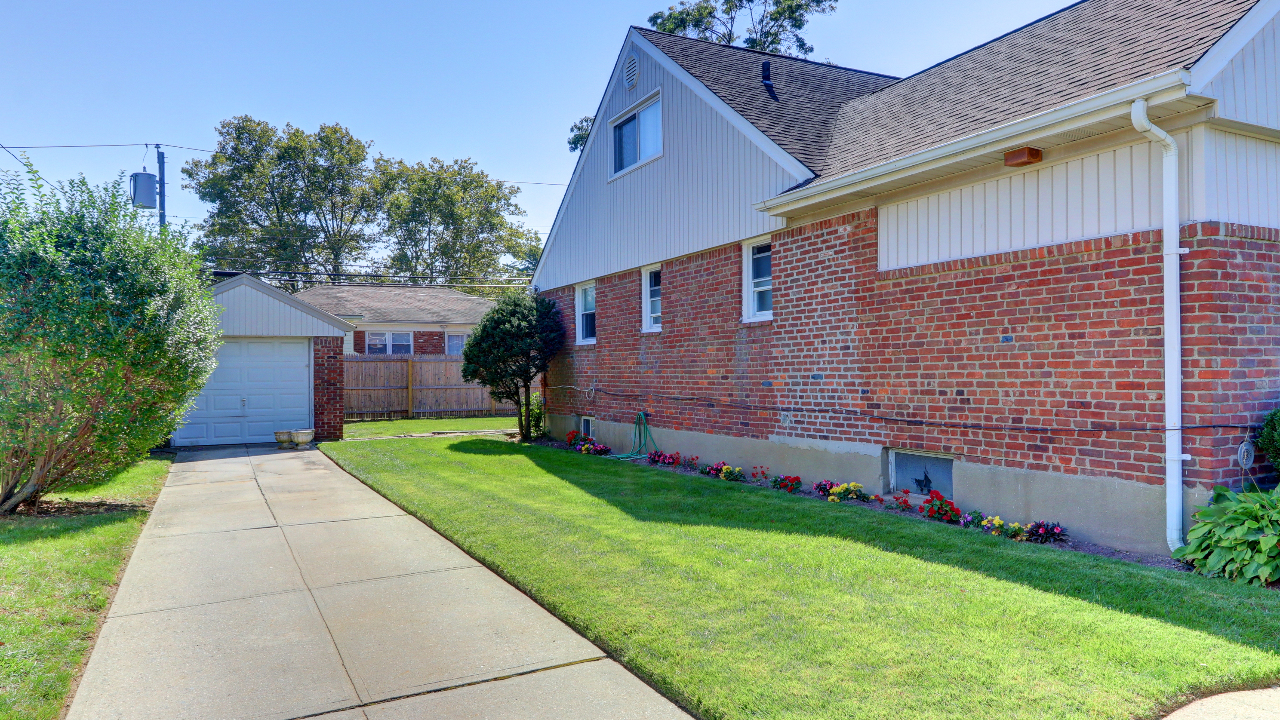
(1172, 254)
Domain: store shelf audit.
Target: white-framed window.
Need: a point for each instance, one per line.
(586, 425)
(383, 343)
(651, 298)
(757, 281)
(586, 308)
(454, 342)
(637, 134)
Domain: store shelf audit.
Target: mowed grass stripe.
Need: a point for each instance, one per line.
(741, 602)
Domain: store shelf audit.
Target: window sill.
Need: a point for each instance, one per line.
(651, 331)
(757, 319)
(632, 168)
(582, 343)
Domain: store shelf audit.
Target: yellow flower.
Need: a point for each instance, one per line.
(832, 498)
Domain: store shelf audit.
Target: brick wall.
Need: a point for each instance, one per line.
(328, 384)
(1063, 340)
(357, 342)
(428, 343)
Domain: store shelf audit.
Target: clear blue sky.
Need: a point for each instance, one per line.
(499, 82)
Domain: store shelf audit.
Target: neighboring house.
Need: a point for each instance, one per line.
(399, 320)
(848, 276)
(279, 368)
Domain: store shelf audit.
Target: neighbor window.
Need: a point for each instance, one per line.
(757, 273)
(396, 343)
(587, 313)
(651, 297)
(637, 137)
(453, 344)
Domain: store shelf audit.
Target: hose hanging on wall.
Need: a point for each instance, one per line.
(642, 442)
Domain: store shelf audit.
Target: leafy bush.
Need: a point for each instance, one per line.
(972, 519)
(713, 470)
(107, 333)
(732, 474)
(1236, 536)
(1269, 437)
(537, 416)
(585, 444)
(848, 491)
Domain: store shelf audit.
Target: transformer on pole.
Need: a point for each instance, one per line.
(145, 187)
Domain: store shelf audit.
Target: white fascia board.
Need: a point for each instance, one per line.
(775, 152)
(284, 297)
(1217, 57)
(577, 167)
(1159, 89)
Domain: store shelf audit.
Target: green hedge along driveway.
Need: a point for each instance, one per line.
(742, 602)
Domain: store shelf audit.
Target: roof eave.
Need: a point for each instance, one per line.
(1163, 88)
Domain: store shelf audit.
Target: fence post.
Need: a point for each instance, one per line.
(410, 384)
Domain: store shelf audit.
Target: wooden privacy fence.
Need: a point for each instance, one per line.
(387, 386)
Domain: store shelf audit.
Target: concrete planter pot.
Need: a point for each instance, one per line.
(303, 438)
(284, 439)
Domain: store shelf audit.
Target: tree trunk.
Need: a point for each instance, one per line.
(523, 409)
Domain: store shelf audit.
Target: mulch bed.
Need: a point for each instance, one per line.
(1149, 559)
(72, 508)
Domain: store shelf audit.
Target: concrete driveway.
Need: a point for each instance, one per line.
(271, 584)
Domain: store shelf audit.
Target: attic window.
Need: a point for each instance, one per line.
(638, 136)
(631, 72)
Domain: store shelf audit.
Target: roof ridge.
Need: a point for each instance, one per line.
(762, 52)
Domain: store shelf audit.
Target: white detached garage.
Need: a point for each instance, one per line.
(279, 368)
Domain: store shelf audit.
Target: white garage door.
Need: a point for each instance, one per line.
(261, 385)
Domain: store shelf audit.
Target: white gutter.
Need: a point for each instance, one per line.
(1166, 87)
(1172, 255)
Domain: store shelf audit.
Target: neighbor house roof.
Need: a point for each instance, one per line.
(1085, 49)
(806, 98)
(376, 304)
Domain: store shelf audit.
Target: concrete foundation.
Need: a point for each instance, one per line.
(1118, 513)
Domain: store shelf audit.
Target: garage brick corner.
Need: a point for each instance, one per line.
(280, 367)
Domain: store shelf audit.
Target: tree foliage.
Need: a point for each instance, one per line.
(514, 344)
(107, 332)
(450, 220)
(579, 132)
(771, 25)
(287, 200)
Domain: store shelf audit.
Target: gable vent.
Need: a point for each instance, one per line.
(631, 72)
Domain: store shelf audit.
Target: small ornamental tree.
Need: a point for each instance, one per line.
(107, 333)
(511, 347)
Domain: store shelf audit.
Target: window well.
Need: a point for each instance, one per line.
(920, 473)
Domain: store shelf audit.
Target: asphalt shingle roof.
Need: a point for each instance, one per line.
(1080, 51)
(836, 120)
(398, 304)
(807, 96)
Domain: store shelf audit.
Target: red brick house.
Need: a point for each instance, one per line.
(1041, 272)
(399, 320)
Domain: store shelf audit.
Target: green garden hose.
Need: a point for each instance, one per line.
(642, 442)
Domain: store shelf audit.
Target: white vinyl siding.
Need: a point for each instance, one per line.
(699, 195)
(1108, 193)
(1248, 89)
(1242, 179)
(249, 311)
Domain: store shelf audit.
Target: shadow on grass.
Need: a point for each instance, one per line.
(19, 530)
(1243, 614)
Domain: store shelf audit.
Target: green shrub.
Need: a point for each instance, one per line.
(1236, 536)
(1269, 437)
(107, 332)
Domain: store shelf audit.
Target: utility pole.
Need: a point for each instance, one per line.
(160, 159)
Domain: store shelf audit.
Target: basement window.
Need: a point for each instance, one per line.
(586, 425)
(920, 472)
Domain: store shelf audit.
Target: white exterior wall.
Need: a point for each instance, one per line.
(1248, 88)
(696, 196)
(1105, 193)
(1241, 179)
(247, 311)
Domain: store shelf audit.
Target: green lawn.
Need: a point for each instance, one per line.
(55, 574)
(743, 602)
(385, 428)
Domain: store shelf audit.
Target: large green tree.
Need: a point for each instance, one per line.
(107, 332)
(769, 25)
(579, 132)
(511, 346)
(451, 220)
(285, 200)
